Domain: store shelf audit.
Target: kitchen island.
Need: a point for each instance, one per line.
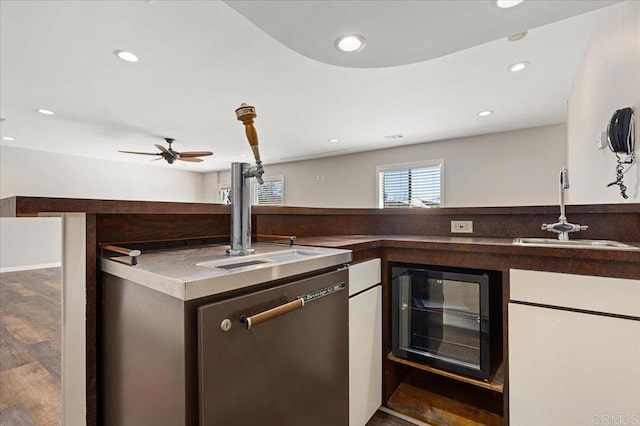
(416, 236)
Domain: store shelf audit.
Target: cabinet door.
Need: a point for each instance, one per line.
(365, 355)
(569, 368)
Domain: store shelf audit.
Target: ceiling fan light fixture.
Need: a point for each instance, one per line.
(506, 4)
(45, 111)
(518, 66)
(126, 55)
(350, 43)
(485, 113)
(170, 156)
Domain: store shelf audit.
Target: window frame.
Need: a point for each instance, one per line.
(380, 169)
(274, 178)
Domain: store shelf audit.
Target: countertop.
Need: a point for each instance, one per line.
(191, 273)
(124, 221)
(467, 244)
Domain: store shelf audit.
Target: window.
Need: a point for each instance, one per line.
(224, 189)
(270, 193)
(410, 185)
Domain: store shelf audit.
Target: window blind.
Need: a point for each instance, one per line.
(270, 193)
(419, 186)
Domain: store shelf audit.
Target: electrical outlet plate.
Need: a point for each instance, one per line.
(461, 226)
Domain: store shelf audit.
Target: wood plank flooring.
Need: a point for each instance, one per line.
(384, 419)
(30, 320)
(30, 356)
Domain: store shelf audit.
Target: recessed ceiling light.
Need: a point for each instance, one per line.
(506, 4)
(333, 140)
(518, 66)
(517, 36)
(7, 138)
(393, 137)
(126, 56)
(350, 43)
(45, 111)
(485, 113)
(243, 155)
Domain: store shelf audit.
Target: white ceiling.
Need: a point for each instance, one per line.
(201, 59)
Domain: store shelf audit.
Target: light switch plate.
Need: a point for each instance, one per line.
(461, 226)
(602, 141)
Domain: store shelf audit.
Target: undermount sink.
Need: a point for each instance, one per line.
(585, 244)
(254, 260)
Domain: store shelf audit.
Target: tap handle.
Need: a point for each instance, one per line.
(246, 114)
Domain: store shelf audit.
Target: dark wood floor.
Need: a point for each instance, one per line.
(30, 358)
(30, 320)
(384, 419)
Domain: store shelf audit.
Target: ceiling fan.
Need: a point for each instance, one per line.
(170, 155)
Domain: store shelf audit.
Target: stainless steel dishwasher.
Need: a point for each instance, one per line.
(192, 336)
(277, 357)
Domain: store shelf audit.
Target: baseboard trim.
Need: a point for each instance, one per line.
(30, 267)
(402, 416)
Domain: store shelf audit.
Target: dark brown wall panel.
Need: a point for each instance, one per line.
(613, 226)
(114, 228)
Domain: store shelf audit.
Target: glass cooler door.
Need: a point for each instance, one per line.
(440, 317)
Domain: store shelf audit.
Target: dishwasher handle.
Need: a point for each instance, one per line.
(271, 313)
(297, 303)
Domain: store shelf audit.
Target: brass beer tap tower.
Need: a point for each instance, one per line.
(241, 174)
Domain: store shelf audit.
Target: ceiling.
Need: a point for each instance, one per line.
(428, 68)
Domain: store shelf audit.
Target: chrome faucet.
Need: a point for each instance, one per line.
(562, 227)
(241, 174)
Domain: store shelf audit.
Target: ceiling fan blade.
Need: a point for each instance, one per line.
(163, 149)
(141, 153)
(189, 154)
(190, 159)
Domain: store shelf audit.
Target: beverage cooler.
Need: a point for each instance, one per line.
(441, 318)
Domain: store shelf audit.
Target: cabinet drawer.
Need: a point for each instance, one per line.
(363, 275)
(600, 294)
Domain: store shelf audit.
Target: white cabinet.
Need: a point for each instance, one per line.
(577, 365)
(365, 341)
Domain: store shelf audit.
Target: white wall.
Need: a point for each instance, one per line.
(210, 188)
(29, 243)
(500, 169)
(35, 173)
(33, 242)
(609, 80)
